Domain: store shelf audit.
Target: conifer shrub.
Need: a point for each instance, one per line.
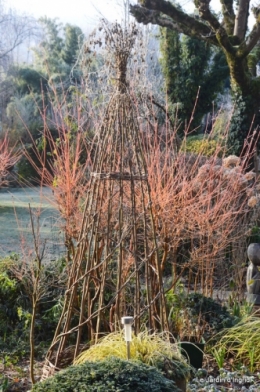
(112, 374)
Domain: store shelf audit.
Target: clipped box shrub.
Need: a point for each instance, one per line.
(112, 374)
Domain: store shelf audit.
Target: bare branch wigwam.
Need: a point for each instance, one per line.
(116, 251)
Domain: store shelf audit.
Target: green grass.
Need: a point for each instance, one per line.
(21, 197)
(15, 223)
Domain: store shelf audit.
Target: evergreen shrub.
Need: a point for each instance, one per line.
(200, 144)
(113, 374)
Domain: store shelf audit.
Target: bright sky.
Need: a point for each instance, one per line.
(83, 13)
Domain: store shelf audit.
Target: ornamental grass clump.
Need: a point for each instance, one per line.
(152, 349)
(242, 343)
(144, 347)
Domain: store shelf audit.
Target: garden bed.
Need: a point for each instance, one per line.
(207, 379)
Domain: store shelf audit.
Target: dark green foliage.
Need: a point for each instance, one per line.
(26, 79)
(16, 307)
(112, 374)
(171, 60)
(26, 171)
(216, 315)
(12, 298)
(201, 311)
(190, 65)
(54, 59)
(56, 55)
(48, 53)
(72, 43)
(31, 172)
(235, 42)
(245, 109)
(254, 235)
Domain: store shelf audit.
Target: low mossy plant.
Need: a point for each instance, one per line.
(112, 374)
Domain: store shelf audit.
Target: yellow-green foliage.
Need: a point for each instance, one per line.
(221, 124)
(144, 347)
(242, 342)
(200, 145)
(6, 263)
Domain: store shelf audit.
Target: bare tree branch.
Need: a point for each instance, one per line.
(173, 18)
(250, 42)
(241, 19)
(219, 30)
(14, 30)
(228, 15)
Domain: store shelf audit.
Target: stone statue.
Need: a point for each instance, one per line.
(253, 274)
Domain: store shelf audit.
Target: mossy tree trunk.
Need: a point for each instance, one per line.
(229, 34)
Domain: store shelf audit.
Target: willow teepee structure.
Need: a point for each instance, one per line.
(116, 269)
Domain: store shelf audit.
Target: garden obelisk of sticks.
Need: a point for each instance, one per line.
(115, 271)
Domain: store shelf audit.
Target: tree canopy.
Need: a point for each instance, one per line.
(36, 86)
(227, 31)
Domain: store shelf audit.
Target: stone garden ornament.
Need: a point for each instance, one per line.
(253, 274)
